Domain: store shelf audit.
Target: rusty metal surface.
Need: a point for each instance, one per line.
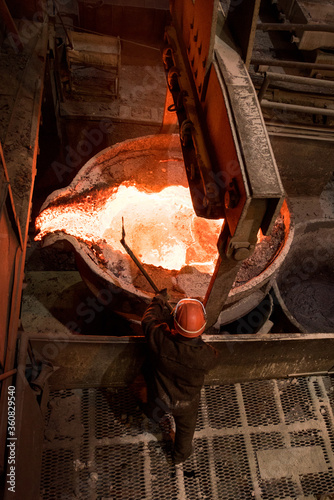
(11, 250)
(229, 161)
(20, 128)
(102, 361)
(228, 173)
(195, 23)
(29, 445)
(198, 161)
(28, 432)
(224, 140)
(259, 161)
(248, 147)
(219, 287)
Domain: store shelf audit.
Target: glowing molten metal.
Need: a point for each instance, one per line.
(161, 227)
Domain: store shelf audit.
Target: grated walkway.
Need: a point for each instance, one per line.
(270, 439)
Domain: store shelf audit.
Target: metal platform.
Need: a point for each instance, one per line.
(270, 439)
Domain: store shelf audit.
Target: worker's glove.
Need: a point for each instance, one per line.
(163, 295)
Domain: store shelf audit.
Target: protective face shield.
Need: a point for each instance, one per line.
(189, 318)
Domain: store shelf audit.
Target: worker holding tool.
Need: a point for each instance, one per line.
(178, 361)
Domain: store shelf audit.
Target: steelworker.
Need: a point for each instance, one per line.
(178, 360)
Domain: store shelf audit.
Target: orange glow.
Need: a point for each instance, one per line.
(161, 228)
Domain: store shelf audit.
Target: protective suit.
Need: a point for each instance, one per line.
(175, 375)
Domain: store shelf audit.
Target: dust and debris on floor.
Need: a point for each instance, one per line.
(269, 439)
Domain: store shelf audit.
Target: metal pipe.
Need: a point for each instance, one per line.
(282, 77)
(310, 374)
(279, 77)
(3, 376)
(307, 128)
(299, 136)
(328, 28)
(263, 88)
(140, 266)
(20, 381)
(291, 64)
(297, 108)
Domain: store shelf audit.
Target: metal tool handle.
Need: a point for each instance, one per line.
(140, 266)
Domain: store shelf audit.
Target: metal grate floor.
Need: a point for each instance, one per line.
(271, 439)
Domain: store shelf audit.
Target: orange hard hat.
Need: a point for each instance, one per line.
(189, 318)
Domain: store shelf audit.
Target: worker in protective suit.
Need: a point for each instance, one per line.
(178, 361)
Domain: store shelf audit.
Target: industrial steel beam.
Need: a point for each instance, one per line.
(105, 361)
(327, 28)
(26, 113)
(230, 165)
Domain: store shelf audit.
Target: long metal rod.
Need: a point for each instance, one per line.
(296, 126)
(301, 132)
(257, 61)
(299, 136)
(328, 28)
(297, 108)
(282, 77)
(310, 374)
(3, 376)
(140, 266)
(279, 77)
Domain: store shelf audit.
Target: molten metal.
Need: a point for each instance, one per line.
(162, 228)
(144, 180)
